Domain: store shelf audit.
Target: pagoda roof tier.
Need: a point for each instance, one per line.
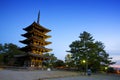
(36, 26)
(34, 33)
(40, 47)
(34, 38)
(28, 42)
(32, 55)
(37, 31)
(29, 48)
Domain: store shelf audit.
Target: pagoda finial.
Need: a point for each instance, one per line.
(38, 19)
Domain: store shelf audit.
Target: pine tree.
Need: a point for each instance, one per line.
(90, 51)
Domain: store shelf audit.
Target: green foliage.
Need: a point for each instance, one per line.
(111, 70)
(91, 51)
(59, 63)
(51, 61)
(7, 52)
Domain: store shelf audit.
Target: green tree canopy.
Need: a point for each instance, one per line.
(7, 52)
(51, 61)
(93, 52)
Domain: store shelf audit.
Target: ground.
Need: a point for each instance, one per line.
(19, 74)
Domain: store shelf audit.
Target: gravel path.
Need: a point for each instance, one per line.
(51, 75)
(93, 77)
(33, 75)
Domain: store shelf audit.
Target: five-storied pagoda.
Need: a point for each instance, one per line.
(35, 41)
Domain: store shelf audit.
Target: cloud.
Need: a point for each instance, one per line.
(116, 58)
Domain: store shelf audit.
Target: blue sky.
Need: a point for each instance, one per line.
(67, 19)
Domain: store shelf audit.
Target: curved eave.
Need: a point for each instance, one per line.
(37, 55)
(41, 26)
(28, 48)
(26, 35)
(26, 41)
(25, 49)
(29, 35)
(36, 38)
(32, 55)
(49, 50)
(47, 36)
(47, 42)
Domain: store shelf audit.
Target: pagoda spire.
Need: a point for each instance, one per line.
(38, 19)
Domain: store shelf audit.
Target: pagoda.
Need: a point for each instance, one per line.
(35, 42)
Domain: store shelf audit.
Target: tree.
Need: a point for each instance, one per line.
(51, 61)
(1, 55)
(59, 63)
(91, 51)
(68, 61)
(7, 52)
(110, 70)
